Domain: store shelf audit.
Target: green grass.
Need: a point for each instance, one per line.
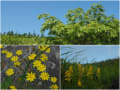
(21, 40)
(36, 40)
(109, 76)
(28, 40)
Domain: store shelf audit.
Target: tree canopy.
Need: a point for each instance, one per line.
(90, 27)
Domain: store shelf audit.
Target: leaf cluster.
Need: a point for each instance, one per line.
(90, 27)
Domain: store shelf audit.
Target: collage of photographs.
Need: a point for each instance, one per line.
(59, 44)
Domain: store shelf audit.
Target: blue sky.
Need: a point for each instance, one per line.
(92, 53)
(22, 16)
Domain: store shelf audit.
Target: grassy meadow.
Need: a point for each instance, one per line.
(21, 40)
(99, 75)
(37, 40)
(29, 40)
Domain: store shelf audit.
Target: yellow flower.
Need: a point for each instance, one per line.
(90, 68)
(67, 73)
(17, 63)
(42, 48)
(79, 83)
(71, 69)
(68, 79)
(48, 50)
(90, 72)
(43, 57)
(36, 63)
(54, 79)
(98, 72)
(8, 54)
(9, 72)
(19, 52)
(4, 51)
(79, 67)
(14, 58)
(1, 46)
(54, 86)
(83, 69)
(12, 87)
(44, 76)
(41, 68)
(30, 77)
(32, 56)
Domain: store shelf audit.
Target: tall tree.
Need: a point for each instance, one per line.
(90, 27)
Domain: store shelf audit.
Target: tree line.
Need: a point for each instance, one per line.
(12, 33)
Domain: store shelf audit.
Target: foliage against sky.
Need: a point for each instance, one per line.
(92, 26)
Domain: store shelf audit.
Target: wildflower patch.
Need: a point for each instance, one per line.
(30, 67)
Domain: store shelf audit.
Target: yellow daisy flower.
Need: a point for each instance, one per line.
(42, 48)
(17, 63)
(54, 86)
(4, 51)
(36, 63)
(14, 58)
(44, 76)
(1, 46)
(32, 56)
(43, 57)
(19, 52)
(8, 54)
(12, 87)
(54, 79)
(30, 77)
(9, 72)
(41, 68)
(48, 50)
